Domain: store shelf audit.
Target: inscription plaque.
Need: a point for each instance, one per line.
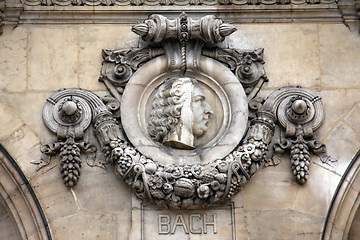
(216, 223)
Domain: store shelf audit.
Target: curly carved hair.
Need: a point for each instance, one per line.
(166, 107)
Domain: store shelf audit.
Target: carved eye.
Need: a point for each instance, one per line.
(199, 98)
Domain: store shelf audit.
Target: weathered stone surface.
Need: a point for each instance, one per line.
(53, 58)
(8, 225)
(337, 56)
(98, 184)
(98, 38)
(278, 188)
(56, 200)
(345, 149)
(87, 226)
(23, 145)
(353, 117)
(314, 197)
(31, 114)
(344, 213)
(9, 121)
(285, 224)
(355, 227)
(291, 52)
(13, 69)
(337, 105)
(241, 222)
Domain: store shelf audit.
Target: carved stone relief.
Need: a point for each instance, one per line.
(179, 114)
(177, 127)
(168, 2)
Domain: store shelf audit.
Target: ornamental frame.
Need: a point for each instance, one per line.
(212, 171)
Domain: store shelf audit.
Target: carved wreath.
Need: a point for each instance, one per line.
(183, 41)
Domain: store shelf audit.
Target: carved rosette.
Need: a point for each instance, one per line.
(183, 47)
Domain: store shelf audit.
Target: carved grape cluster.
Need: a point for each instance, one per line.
(234, 187)
(119, 154)
(300, 160)
(70, 162)
(123, 162)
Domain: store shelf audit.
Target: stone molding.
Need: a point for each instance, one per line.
(21, 200)
(350, 11)
(344, 204)
(238, 12)
(242, 14)
(170, 2)
(234, 11)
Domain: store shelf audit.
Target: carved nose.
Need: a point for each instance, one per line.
(208, 109)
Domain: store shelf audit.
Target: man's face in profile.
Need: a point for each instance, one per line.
(201, 111)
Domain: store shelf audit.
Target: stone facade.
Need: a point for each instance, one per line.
(38, 59)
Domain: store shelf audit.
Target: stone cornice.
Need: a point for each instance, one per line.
(170, 2)
(350, 11)
(290, 13)
(122, 11)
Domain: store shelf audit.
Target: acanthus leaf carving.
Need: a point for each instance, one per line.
(119, 65)
(247, 65)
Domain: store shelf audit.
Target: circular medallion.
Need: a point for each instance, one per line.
(224, 107)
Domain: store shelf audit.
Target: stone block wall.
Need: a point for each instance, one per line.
(37, 60)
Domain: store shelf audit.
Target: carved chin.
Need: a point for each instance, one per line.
(198, 132)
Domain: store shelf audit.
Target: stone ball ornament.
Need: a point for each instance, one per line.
(63, 111)
(299, 106)
(177, 126)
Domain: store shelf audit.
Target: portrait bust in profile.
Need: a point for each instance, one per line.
(179, 114)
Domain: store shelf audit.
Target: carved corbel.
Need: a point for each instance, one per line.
(299, 113)
(68, 113)
(10, 12)
(350, 11)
